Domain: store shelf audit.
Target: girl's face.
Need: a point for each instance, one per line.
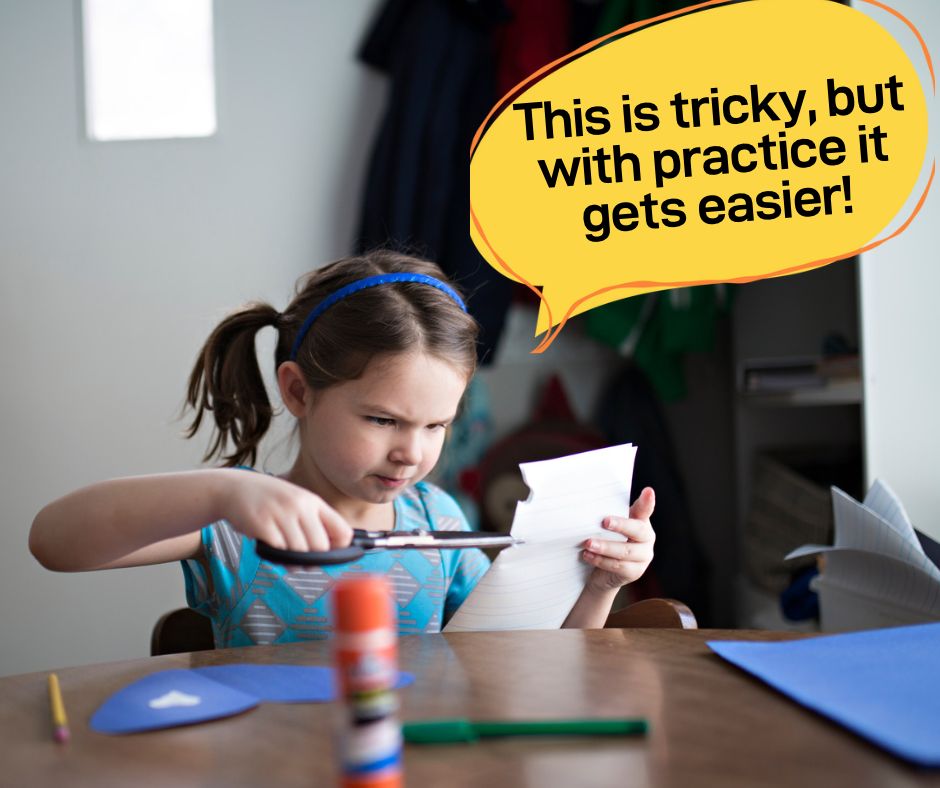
(365, 440)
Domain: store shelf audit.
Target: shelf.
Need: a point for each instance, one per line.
(835, 392)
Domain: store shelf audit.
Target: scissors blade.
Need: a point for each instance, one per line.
(438, 540)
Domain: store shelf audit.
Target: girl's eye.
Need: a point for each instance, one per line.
(381, 421)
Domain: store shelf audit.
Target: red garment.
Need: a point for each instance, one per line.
(540, 32)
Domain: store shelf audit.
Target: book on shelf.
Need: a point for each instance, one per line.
(792, 373)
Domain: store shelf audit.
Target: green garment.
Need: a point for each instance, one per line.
(660, 326)
(669, 323)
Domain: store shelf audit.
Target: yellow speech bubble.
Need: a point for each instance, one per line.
(724, 143)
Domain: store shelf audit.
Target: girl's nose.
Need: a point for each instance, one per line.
(407, 448)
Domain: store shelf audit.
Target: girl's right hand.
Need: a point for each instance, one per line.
(280, 513)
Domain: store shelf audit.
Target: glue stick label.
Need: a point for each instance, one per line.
(371, 749)
(367, 661)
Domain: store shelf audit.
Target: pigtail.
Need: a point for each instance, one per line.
(227, 382)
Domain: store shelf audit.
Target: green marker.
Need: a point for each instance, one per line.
(463, 730)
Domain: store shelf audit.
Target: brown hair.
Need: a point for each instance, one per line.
(392, 318)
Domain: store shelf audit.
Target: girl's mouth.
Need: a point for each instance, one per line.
(390, 482)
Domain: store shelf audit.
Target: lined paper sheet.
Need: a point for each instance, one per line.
(535, 585)
(877, 553)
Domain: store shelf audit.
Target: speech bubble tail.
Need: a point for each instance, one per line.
(545, 326)
(550, 337)
(545, 343)
(543, 321)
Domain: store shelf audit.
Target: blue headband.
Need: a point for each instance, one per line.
(362, 284)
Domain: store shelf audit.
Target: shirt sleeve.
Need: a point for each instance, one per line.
(230, 568)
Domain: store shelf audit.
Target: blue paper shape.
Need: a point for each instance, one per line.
(283, 683)
(184, 697)
(166, 699)
(882, 684)
(276, 683)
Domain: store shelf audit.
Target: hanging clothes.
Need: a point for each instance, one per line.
(449, 61)
(629, 412)
(440, 58)
(657, 329)
(538, 32)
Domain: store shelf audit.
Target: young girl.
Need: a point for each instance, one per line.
(372, 358)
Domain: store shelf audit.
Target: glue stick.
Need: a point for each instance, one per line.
(365, 653)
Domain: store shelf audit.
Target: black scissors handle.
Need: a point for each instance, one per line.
(277, 555)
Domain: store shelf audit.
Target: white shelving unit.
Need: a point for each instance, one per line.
(789, 317)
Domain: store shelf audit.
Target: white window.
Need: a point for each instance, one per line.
(148, 69)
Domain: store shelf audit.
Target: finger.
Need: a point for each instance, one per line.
(272, 535)
(644, 505)
(626, 571)
(634, 552)
(611, 565)
(314, 532)
(338, 531)
(635, 530)
(294, 535)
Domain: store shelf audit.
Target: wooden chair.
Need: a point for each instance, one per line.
(180, 631)
(185, 630)
(653, 613)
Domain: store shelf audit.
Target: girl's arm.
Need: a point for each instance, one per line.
(591, 610)
(155, 519)
(615, 563)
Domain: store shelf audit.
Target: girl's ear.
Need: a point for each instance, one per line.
(295, 393)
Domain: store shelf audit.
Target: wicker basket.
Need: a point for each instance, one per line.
(791, 506)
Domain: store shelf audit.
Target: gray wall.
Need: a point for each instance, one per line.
(116, 259)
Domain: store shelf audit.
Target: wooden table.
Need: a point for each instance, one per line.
(711, 724)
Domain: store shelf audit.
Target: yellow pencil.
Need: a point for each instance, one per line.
(60, 723)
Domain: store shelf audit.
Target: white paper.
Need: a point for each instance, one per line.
(877, 554)
(535, 585)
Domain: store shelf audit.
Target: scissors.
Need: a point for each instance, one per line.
(366, 541)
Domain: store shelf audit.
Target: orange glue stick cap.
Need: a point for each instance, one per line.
(363, 604)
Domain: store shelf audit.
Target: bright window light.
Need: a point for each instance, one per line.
(148, 69)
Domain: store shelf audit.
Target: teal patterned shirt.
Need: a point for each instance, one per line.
(252, 602)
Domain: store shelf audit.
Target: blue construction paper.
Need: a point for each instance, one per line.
(185, 697)
(167, 699)
(883, 684)
(283, 683)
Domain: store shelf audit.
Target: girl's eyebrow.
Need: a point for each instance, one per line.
(381, 410)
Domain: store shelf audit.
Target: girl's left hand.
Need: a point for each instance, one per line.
(617, 563)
